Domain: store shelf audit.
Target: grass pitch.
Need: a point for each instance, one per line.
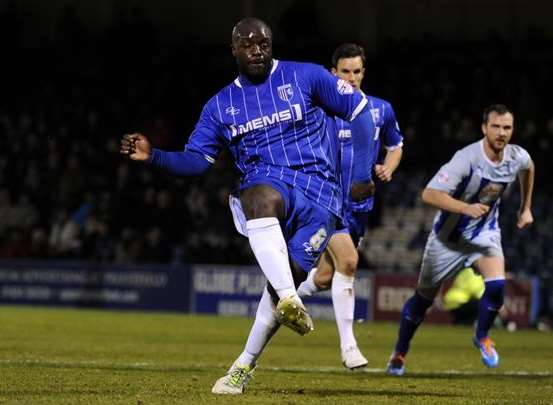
(65, 356)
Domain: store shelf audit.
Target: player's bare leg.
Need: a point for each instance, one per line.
(319, 278)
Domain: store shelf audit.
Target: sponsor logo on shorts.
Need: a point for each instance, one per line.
(315, 241)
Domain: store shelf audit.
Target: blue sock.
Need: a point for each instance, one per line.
(489, 305)
(411, 316)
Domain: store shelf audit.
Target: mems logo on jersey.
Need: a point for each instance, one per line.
(293, 113)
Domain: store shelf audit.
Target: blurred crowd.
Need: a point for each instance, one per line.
(65, 192)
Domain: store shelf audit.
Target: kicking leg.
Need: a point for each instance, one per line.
(263, 206)
(289, 311)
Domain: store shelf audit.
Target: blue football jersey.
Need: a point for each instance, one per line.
(279, 128)
(387, 132)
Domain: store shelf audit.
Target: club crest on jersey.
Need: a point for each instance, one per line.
(232, 110)
(285, 92)
(344, 87)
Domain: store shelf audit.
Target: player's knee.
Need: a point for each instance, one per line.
(262, 201)
(348, 264)
(415, 308)
(428, 293)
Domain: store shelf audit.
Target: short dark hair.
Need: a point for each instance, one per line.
(249, 22)
(500, 109)
(348, 50)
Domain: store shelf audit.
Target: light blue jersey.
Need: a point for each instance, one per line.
(471, 177)
(278, 129)
(386, 132)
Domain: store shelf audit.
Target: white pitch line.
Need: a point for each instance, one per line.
(184, 366)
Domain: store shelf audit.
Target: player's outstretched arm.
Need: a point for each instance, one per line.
(526, 179)
(385, 171)
(443, 201)
(187, 163)
(136, 146)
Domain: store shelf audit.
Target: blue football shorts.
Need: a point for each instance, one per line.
(307, 226)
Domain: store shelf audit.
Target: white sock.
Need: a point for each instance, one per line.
(264, 327)
(343, 300)
(269, 248)
(308, 287)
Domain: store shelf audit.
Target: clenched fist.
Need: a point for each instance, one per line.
(136, 147)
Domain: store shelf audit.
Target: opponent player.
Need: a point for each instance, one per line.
(272, 119)
(336, 269)
(467, 192)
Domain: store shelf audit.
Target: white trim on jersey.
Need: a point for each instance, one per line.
(394, 147)
(275, 64)
(358, 109)
(488, 159)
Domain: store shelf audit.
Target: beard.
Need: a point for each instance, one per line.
(258, 72)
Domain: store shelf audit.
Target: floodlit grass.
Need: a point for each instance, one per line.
(66, 356)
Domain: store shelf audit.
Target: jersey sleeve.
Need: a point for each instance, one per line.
(522, 157)
(335, 95)
(392, 138)
(452, 173)
(206, 137)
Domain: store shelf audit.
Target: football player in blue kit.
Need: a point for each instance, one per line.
(336, 269)
(273, 120)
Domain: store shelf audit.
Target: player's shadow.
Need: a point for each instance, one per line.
(475, 376)
(326, 392)
(110, 367)
(50, 392)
